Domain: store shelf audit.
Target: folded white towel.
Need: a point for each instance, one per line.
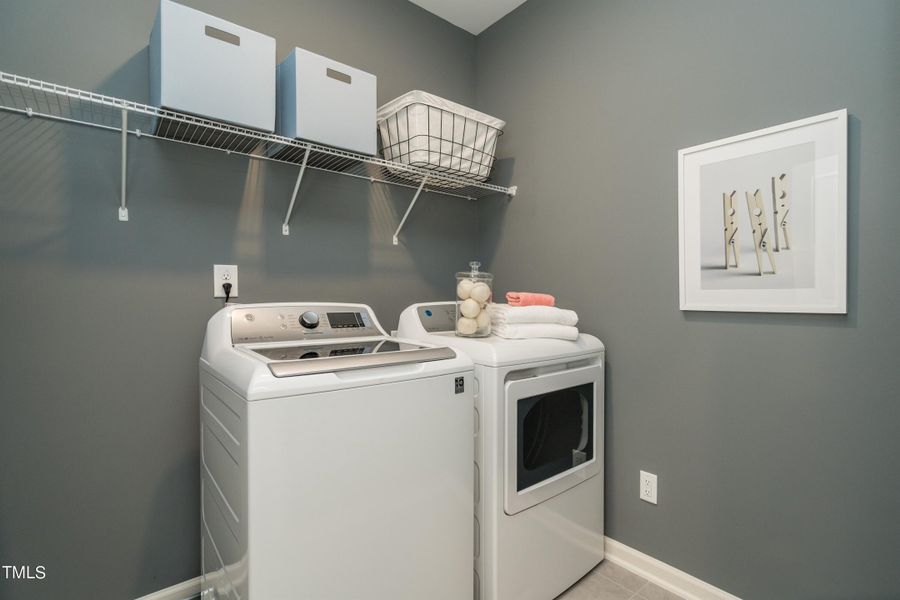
(504, 313)
(522, 331)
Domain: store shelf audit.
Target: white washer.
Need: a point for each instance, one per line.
(539, 455)
(336, 461)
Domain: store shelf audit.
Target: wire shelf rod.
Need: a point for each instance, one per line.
(36, 98)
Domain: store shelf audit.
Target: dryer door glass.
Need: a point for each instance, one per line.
(555, 433)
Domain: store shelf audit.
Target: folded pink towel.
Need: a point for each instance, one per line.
(529, 299)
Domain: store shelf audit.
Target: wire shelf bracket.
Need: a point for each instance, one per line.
(409, 210)
(286, 226)
(123, 207)
(34, 98)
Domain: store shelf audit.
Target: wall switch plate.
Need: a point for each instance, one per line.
(648, 487)
(225, 274)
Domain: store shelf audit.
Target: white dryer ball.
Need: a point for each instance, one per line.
(469, 308)
(464, 288)
(483, 319)
(480, 292)
(466, 326)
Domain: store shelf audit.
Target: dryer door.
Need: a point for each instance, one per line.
(554, 435)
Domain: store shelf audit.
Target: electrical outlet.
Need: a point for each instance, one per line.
(225, 274)
(648, 487)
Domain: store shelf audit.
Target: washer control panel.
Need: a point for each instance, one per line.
(290, 322)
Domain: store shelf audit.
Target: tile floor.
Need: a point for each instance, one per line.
(608, 582)
(611, 582)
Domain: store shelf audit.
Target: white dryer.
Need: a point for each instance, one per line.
(336, 461)
(538, 455)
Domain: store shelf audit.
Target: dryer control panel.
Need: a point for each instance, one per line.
(290, 322)
(437, 317)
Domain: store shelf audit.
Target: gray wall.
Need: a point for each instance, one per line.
(774, 436)
(102, 321)
(779, 482)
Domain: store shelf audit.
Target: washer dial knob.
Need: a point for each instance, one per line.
(309, 320)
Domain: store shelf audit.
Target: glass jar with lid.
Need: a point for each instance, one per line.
(473, 298)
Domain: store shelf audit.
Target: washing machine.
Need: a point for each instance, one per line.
(336, 460)
(538, 455)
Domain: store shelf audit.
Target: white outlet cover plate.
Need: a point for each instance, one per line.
(648, 487)
(225, 274)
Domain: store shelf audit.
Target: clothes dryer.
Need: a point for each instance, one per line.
(538, 455)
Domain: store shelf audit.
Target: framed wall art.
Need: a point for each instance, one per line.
(762, 220)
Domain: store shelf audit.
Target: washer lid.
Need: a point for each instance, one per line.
(308, 359)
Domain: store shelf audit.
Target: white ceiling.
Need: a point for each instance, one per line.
(472, 15)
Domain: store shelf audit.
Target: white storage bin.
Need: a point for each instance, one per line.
(327, 102)
(428, 131)
(206, 66)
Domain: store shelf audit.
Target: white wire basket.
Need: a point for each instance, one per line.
(429, 132)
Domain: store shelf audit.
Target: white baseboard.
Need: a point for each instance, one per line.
(664, 575)
(179, 591)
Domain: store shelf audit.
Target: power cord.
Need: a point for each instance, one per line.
(227, 287)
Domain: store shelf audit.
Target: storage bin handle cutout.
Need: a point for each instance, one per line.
(338, 75)
(224, 36)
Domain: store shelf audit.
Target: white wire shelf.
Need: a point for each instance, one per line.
(35, 98)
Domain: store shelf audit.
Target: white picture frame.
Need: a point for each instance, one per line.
(784, 246)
